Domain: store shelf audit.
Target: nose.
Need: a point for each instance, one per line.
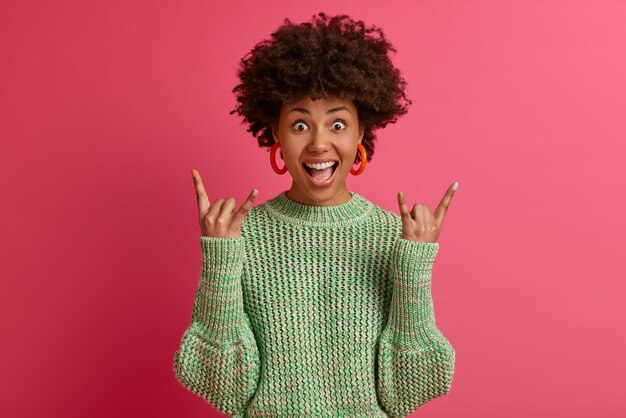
(318, 142)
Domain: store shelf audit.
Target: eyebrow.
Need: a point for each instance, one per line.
(333, 110)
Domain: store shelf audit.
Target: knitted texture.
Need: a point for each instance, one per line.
(320, 311)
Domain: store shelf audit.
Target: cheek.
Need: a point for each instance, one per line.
(290, 151)
(349, 153)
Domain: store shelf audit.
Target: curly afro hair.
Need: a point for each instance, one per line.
(328, 56)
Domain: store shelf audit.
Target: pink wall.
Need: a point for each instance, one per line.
(105, 106)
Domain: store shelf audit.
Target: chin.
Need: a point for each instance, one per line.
(319, 193)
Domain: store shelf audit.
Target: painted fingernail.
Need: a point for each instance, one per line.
(193, 172)
(455, 185)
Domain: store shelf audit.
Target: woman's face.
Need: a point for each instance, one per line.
(318, 140)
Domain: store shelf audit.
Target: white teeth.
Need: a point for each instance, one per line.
(321, 166)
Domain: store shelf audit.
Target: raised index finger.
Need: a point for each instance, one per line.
(203, 200)
(442, 209)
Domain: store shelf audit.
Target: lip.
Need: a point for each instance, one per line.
(324, 183)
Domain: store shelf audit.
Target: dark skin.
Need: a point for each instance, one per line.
(420, 224)
(223, 219)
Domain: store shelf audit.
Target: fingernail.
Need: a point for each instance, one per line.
(193, 172)
(254, 192)
(455, 185)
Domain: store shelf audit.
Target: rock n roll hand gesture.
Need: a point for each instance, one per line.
(221, 219)
(420, 224)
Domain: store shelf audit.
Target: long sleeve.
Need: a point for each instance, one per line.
(415, 360)
(218, 358)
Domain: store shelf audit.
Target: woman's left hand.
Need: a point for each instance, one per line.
(420, 224)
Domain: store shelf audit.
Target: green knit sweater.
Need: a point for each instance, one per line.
(321, 311)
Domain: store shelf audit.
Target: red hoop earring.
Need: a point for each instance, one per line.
(273, 160)
(363, 161)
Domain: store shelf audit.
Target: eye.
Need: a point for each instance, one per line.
(300, 126)
(339, 125)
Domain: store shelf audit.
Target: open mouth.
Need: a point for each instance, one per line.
(321, 173)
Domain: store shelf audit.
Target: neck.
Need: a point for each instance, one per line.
(342, 196)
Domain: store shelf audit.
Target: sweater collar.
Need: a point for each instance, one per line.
(299, 213)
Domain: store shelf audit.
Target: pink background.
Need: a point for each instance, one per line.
(107, 105)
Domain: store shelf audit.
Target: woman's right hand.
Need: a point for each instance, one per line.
(221, 219)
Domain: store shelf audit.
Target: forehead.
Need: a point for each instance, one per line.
(318, 106)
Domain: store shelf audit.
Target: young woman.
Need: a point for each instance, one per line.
(317, 302)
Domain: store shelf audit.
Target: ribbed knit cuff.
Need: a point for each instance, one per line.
(219, 301)
(412, 318)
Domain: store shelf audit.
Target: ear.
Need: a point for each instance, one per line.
(274, 128)
(361, 132)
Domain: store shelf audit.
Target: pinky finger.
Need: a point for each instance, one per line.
(404, 211)
(244, 209)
